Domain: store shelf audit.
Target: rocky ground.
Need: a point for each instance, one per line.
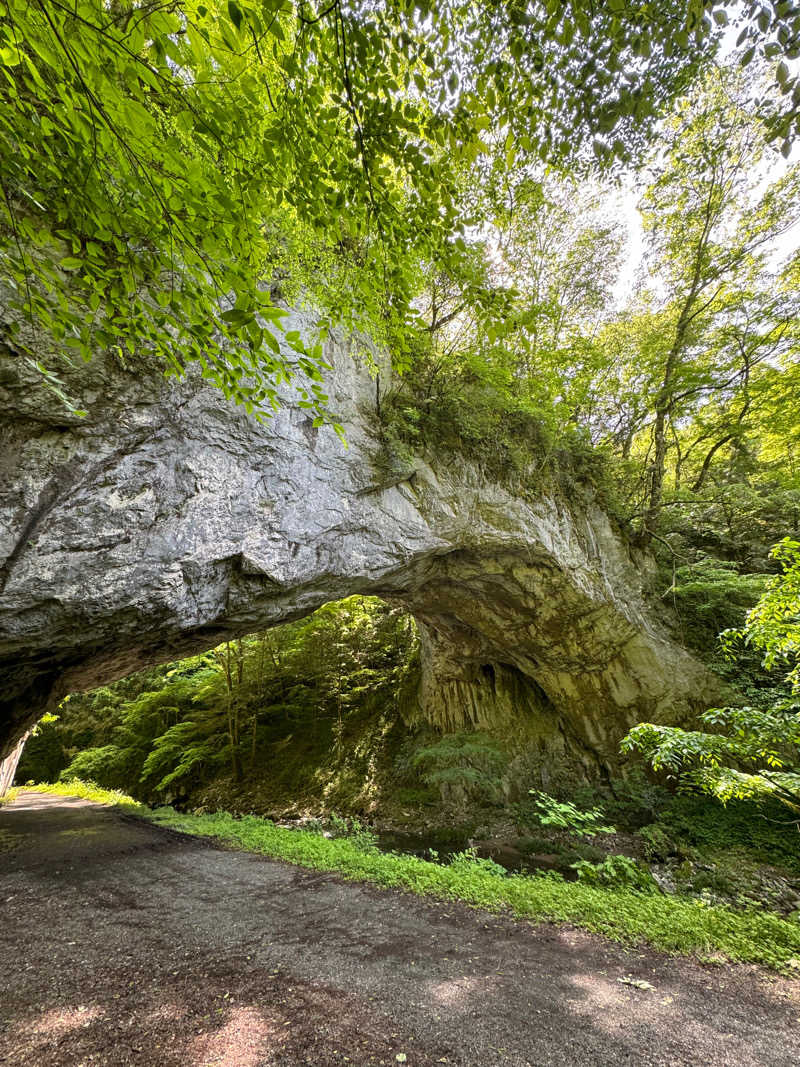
(122, 944)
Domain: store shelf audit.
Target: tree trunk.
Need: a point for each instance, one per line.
(658, 466)
(8, 766)
(233, 737)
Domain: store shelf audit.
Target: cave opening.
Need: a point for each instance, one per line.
(310, 712)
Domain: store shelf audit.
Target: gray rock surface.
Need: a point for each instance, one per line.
(168, 519)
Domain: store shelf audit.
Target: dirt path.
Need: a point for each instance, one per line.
(122, 943)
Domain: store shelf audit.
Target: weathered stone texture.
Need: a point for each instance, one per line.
(167, 519)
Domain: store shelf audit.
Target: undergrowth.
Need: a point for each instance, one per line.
(761, 831)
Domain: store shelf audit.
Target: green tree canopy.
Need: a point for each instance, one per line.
(162, 164)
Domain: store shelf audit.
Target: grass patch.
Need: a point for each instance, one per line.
(84, 790)
(670, 924)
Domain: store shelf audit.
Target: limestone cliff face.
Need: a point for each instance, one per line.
(167, 519)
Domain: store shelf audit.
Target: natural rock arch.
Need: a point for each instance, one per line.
(166, 520)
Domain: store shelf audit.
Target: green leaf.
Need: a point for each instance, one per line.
(747, 56)
(235, 13)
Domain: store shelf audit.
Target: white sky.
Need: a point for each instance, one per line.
(774, 167)
(786, 244)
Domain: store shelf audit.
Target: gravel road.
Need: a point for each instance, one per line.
(122, 943)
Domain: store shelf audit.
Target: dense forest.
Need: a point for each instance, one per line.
(580, 248)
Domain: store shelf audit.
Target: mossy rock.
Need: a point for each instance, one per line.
(657, 844)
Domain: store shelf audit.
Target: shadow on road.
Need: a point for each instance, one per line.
(122, 943)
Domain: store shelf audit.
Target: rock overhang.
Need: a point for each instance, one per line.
(167, 519)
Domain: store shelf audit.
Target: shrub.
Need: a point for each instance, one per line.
(467, 765)
(744, 753)
(469, 861)
(355, 831)
(564, 815)
(616, 872)
(657, 843)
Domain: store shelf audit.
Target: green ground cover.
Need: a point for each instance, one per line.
(667, 923)
(672, 924)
